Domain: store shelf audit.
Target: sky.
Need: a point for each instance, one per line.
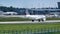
(29, 3)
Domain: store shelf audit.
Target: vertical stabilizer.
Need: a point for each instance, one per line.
(27, 13)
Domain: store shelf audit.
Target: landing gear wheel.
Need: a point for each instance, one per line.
(39, 20)
(42, 20)
(32, 20)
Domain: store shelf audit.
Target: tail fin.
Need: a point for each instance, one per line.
(27, 13)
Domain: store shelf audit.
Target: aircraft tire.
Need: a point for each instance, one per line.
(39, 20)
(32, 20)
(42, 20)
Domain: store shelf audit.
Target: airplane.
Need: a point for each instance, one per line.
(35, 17)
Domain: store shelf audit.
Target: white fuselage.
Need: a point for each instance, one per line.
(36, 17)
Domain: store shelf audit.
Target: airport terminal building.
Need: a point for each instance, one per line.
(37, 11)
(40, 11)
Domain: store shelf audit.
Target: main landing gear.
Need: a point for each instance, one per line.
(32, 20)
(39, 20)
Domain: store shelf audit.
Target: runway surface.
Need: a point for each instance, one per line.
(18, 22)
